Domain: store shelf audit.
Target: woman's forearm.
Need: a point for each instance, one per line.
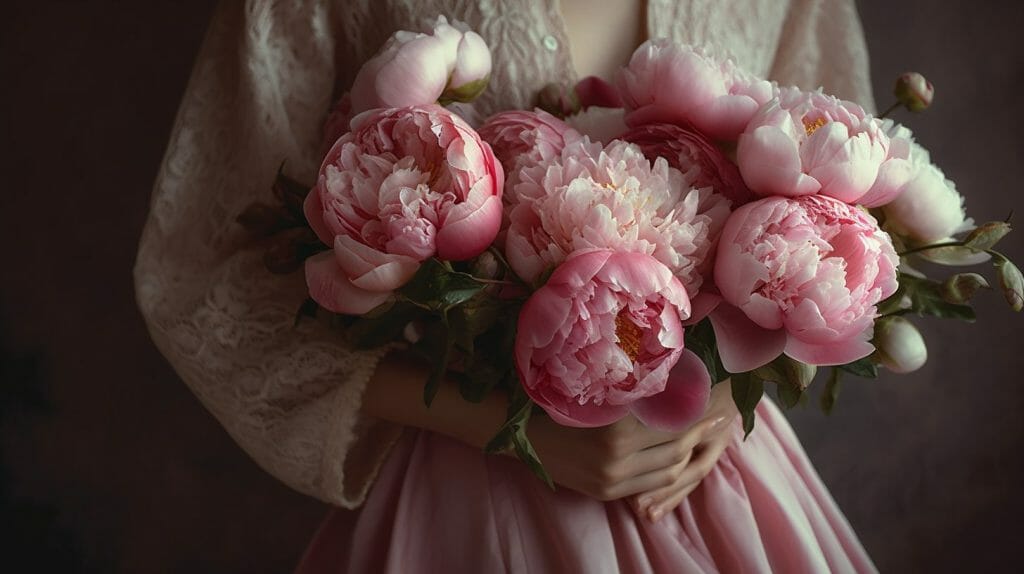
(395, 393)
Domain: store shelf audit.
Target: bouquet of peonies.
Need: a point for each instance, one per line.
(631, 246)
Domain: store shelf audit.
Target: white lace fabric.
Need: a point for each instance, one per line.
(259, 92)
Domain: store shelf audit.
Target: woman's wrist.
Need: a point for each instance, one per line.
(395, 394)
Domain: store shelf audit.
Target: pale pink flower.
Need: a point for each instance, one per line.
(595, 197)
(666, 82)
(703, 164)
(416, 69)
(923, 205)
(809, 142)
(600, 339)
(405, 185)
(801, 276)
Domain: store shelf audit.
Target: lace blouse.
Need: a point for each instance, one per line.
(259, 92)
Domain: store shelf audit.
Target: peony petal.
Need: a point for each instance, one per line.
(332, 290)
(313, 208)
(466, 235)
(829, 353)
(769, 161)
(742, 344)
(572, 414)
(701, 306)
(725, 117)
(541, 319)
(893, 175)
(684, 399)
(358, 259)
(737, 273)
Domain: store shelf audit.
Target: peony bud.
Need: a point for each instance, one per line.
(485, 266)
(471, 64)
(1012, 282)
(785, 370)
(914, 91)
(558, 100)
(900, 346)
(986, 236)
(959, 288)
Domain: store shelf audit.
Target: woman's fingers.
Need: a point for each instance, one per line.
(668, 497)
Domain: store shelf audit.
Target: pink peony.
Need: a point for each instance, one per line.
(406, 184)
(522, 138)
(673, 83)
(800, 276)
(701, 161)
(600, 339)
(595, 197)
(416, 69)
(808, 142)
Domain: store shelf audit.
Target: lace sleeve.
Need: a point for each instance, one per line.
(288, 395)
(822, 45)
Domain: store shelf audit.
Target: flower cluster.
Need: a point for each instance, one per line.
(643, 239)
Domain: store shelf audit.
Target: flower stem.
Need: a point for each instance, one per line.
(930, 247)
(890, 109)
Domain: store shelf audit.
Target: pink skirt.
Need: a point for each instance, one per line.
(441, 506)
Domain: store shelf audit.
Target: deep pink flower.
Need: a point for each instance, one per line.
(701, 161)
(667, 82)
(596, 197)
(600, 339)
(406, 184)
(595, 91)
(800, 275)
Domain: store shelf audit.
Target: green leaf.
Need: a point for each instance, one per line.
(700, 339)
(290, 193)
(865, 368)
(437, 287)
(512, 435)
(831, 393)
(381, 325)
(785, 370)
(308, 308)
(440, 366)
(526, 453)
(986, 236)
(489, 365)
(747, 390)
(892, 303)
(926, 299)
(789, 395)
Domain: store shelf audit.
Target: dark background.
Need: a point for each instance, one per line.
(110, 464)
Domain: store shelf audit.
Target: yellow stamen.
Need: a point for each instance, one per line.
(628, 334)
(811, 127)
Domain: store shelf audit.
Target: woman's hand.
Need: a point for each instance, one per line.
(711, 435)
(611, 462)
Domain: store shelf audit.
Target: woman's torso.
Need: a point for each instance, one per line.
(532, 46)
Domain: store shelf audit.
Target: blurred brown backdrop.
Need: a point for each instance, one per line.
(110, 464)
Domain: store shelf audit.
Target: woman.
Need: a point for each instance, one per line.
(324, 418)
